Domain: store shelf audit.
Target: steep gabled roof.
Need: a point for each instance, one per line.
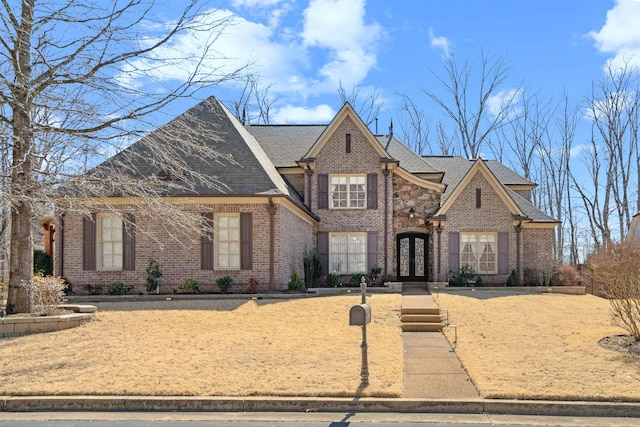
(345, 112)
(247, 171)
(459, 171)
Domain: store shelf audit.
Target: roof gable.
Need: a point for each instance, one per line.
(345, 112)
(480, 167)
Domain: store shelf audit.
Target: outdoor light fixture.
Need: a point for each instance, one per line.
(412, 213)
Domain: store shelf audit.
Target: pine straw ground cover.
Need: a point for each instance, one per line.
(542, 346)
(302, 347)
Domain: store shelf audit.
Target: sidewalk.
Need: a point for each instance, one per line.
(431, 368)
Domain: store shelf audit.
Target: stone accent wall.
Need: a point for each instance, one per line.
(177, 256)
(425, 203)
(493, 216)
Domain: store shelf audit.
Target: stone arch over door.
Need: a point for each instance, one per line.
(412, 251)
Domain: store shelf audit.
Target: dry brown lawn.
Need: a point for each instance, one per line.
(302, 347)
(540, 346)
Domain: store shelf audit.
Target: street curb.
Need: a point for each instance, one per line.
(302, 404)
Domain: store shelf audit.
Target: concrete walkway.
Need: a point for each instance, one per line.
(431, 368)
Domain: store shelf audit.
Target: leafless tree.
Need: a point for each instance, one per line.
(254, 103)
(614, 105)
(366, 102)
(70, 90)
(415, 127)
(475, 119)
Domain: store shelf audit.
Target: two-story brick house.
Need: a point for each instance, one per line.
(358, 199)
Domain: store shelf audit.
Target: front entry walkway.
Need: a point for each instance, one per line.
(431, 368)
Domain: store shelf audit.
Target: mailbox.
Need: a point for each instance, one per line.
(360, 315)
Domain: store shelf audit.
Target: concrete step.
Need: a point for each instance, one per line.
(421, 310)
(422, 327)
(421, 318)
(408, 286)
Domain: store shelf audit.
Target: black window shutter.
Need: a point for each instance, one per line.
(206, 241)
(323, 191)
(503, 253)
(129, 243)
(372, 191)
(372, 249)
(454, 252)
(89, 243)
(246, 235)
(323, 250)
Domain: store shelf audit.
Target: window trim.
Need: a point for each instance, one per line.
(348, 234)
(476, 268)
(216, 242)
(348, 176)
(99, 253)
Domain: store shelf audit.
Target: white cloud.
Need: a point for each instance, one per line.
(618, 102)
(291, 114)
(440, 42)
(620, 35)
(255, 3)
(339, 27)
(502, 99)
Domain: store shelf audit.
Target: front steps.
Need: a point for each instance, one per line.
(419, 313)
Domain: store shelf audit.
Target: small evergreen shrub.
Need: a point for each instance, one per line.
(190, 287)
(479, 281)
(312, 267)
(512, 280)
(462, 278)
(374, 274)
(94, 289)
(119, 288)
(356, 278)
(295, 283)
(254, 286)
(42, 263)
(153, 275)
(224, 284)
(333, 279)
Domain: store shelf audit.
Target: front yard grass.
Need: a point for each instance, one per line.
(542, 346)
(302, 347)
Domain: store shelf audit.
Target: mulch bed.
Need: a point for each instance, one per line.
(622, 343)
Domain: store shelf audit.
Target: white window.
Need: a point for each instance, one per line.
(227, 242)
(479, 252)
(109, 243)
(348, 253)
(348, 191)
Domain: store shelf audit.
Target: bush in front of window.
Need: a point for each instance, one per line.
(333, 279)
(190, 287)
(356, 278)
(374, 275)
(295, 283)
(464, 277)
(119, 288)
(153, 275)
(224, 284)
(312, 267)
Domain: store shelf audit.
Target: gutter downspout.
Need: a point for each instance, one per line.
(518, 250)
(386, 218)
(272, 213)
(61, 248)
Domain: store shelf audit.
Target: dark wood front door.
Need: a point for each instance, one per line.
(412, 250)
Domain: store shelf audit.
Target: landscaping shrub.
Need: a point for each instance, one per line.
(153, 275)
(190, 287)
(512, 280)
(224, 284)
(254, 286)
(374, 275)
(312, 267)
(119, 288)
(566, 275)
(618, 269)
(45, 293)
(295, 283)
(479, 281)
(463, 277)
(356, 278)
(42, 263)
(333, 279)
(93, 289)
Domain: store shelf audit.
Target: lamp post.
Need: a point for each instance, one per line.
(364, 371)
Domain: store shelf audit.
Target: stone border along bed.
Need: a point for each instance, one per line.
(17, 326)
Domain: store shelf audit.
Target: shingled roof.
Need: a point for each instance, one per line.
(243, 169)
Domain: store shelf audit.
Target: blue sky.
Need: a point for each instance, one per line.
(304, 49)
